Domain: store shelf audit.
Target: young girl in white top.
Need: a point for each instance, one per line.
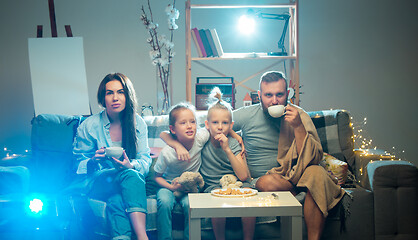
(182, 123)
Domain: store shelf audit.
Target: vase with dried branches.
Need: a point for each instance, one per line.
(161, 52)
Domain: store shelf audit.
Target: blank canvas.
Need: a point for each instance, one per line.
(58, 74)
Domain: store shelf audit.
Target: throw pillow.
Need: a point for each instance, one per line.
(335, 167)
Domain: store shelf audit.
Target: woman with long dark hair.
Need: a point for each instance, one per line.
(119, 182)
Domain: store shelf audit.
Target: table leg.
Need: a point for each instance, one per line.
(194, 229)
(291, 227)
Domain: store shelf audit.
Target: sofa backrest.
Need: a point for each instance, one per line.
(52, 166)
(336, 133)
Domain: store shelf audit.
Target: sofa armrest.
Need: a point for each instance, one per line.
(392, 178)
(359, 221)
(395, 189)
(362, 160)
(14, 179)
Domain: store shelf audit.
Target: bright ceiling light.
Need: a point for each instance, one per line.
(246, 24)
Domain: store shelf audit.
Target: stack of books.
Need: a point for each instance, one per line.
(207, 43)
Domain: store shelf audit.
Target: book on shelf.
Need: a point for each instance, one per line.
(211, 43)
(218, 45)
(205, 42)
(198, 42)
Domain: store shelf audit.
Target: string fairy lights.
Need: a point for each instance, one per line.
(367, 150)
(364, 143)
(8, 154)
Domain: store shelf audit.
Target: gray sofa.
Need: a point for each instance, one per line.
(384, 193)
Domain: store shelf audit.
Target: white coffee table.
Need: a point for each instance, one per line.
(204, 205)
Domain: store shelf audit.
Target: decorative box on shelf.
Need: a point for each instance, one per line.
(204, 86)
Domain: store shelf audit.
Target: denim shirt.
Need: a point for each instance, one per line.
(93, 134)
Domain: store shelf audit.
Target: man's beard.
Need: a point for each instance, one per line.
(274, 121)
(262, 105)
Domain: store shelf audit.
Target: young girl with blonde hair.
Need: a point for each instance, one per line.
(184, 134)
(222, 155)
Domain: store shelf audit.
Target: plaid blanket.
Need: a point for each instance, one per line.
(335, 132)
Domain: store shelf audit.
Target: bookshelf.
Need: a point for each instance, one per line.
(292, 58)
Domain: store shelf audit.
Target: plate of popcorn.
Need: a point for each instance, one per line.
(234, 192)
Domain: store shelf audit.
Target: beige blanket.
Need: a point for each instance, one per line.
(303, 169)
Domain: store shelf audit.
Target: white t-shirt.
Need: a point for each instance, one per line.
(168, 164)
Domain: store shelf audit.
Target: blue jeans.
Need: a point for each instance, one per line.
(165, 205)
(124, 192)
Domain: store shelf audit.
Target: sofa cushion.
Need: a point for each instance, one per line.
(395, 188)
(156, 124)
(151, 186)
(335, 167)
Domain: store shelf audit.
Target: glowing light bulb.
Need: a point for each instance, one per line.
(246, 24)
(36, 205)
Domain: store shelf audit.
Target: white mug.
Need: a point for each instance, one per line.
(276, 111)
(115, 152)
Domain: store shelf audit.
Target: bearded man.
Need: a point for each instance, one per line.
(283, 153)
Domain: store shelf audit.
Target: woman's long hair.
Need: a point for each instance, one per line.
(129, 140)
